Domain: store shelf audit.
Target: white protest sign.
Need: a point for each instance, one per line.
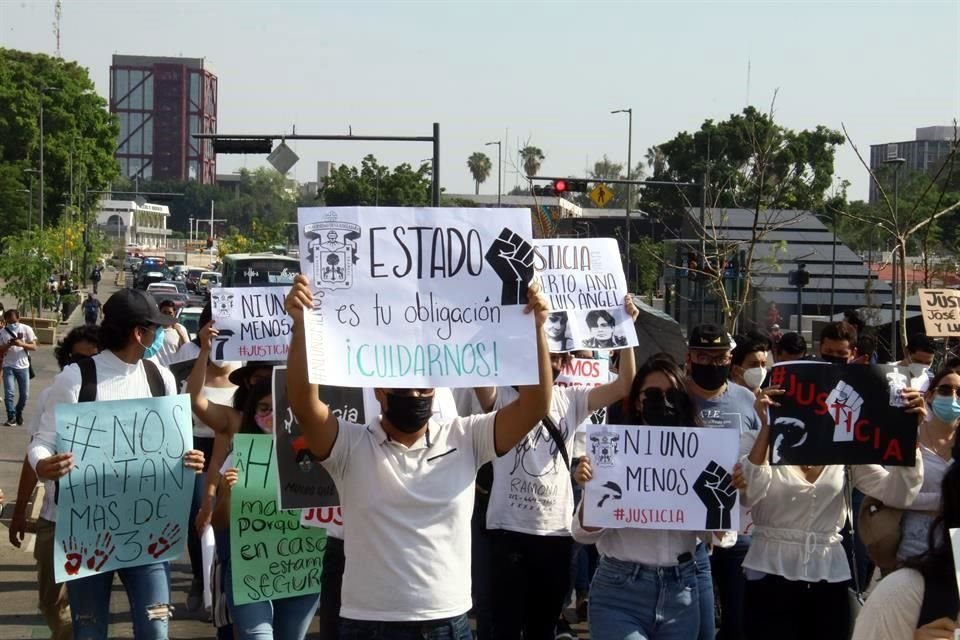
(417, 297)
(584, 371)
(251, 322)
(662, 478)
(584, 283)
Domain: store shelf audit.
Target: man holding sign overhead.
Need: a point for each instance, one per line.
(407, 485)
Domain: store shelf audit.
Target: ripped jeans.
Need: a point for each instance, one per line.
(148, 590)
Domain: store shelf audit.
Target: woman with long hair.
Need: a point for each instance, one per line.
(646, 583)
(281, 619)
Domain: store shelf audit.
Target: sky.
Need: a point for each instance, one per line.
(543, 73)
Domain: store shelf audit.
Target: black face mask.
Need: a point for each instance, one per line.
(709, 377)
(660, 410)
(834, 359)
(409, 413)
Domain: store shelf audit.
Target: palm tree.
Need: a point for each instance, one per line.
(531, 158)
(479, 165)
(656, 160)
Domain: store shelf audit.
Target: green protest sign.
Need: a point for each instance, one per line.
(272, 555)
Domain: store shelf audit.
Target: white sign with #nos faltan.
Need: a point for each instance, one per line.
(662, 478)
(418, 297)
(252, 323)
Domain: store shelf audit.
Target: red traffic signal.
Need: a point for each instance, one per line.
(559, 186)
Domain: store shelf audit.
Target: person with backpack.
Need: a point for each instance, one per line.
(95, 277)
(531, 503)
(130, 334)
(920, 601)
(16, 342)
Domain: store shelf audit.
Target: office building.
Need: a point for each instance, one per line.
(922, 155)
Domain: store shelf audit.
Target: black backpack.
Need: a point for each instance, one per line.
(88, 390)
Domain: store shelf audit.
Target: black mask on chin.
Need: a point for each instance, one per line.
(709, 377)
(408, 413)
(834, 359)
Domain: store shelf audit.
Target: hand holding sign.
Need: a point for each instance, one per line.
(844, 405)
(715, 489)
(512, 260)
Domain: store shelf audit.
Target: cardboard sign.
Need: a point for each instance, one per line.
(252, 323)
(409, 297)
(833, 414)
(126, 501)
(303, 482)
(272, 555)
(662, 478)
(941, 312)
(584, 283)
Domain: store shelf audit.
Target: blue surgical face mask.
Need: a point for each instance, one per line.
(14, 326)
(947, 409)
(157, 345)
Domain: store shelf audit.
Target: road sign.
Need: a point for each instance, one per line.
(601, 195)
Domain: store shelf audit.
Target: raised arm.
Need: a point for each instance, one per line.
(606, 394)
(218, 417)
(487, 397)
(520, 416)
(317, 423)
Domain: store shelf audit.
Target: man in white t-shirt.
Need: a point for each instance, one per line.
(531, 503)
(406, 483)
(16, 342)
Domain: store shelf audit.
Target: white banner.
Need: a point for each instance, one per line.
(662, 478)
(329, 518)
(584, 283)
(252, 323)
(409, 297)
(584, 371)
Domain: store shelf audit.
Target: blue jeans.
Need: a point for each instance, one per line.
(708, 623)
(22, 379)
(630, 601)
(148, 590)
(481, 574)
(283, 619)
(457, 628)
(727, 567)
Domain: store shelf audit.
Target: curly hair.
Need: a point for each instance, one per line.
(63, 352)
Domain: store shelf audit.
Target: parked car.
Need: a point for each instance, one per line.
(190, 319)
(179, 272)
(193, 278)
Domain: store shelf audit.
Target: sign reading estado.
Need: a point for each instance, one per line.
(408, 297)
(252, 323)
(127, 499)
(272, 554)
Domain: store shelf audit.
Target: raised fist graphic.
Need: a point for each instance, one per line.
(511, 258)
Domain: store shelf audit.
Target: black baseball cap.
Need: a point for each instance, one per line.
(134, 307)
(709, 336)
(237, 376)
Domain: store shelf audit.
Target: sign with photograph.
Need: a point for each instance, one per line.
(418, 297)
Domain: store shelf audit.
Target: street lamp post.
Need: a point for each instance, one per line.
(499, 190)
(43, 90)
(894, 159)
(629, 113)
(30, 214)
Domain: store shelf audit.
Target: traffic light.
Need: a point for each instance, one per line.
(544, 191)
(570, 185)
(799, 278)
(242, 145)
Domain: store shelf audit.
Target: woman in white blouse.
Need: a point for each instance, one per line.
(796, 569)
(645, 585)
(936, 438)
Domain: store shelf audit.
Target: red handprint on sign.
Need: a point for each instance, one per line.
(74, 554)
(102, 552)
(167, 538)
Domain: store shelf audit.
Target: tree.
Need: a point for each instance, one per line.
(604, 170)
(261, 237)
(747, 162)
(656, 160)
(531, 157)
(480, 166)
(77, 128)
(374, 184)
(647, 255)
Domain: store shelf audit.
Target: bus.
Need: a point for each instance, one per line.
(258, 270)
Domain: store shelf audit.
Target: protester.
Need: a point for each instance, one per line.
(531, 543)
(81, 342)
(95, 276)
(646, 585)
(751, 361)
(790, 346)
(921, 351)
(279, 619)
(16, 342)
(796, 563)
(920, 601)
(935, 441)
(406, 484)
(728, 406)
(130, 334)
(174, 336)
(92, 309)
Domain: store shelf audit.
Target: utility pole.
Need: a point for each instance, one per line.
(499, 164)
(629, 113)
